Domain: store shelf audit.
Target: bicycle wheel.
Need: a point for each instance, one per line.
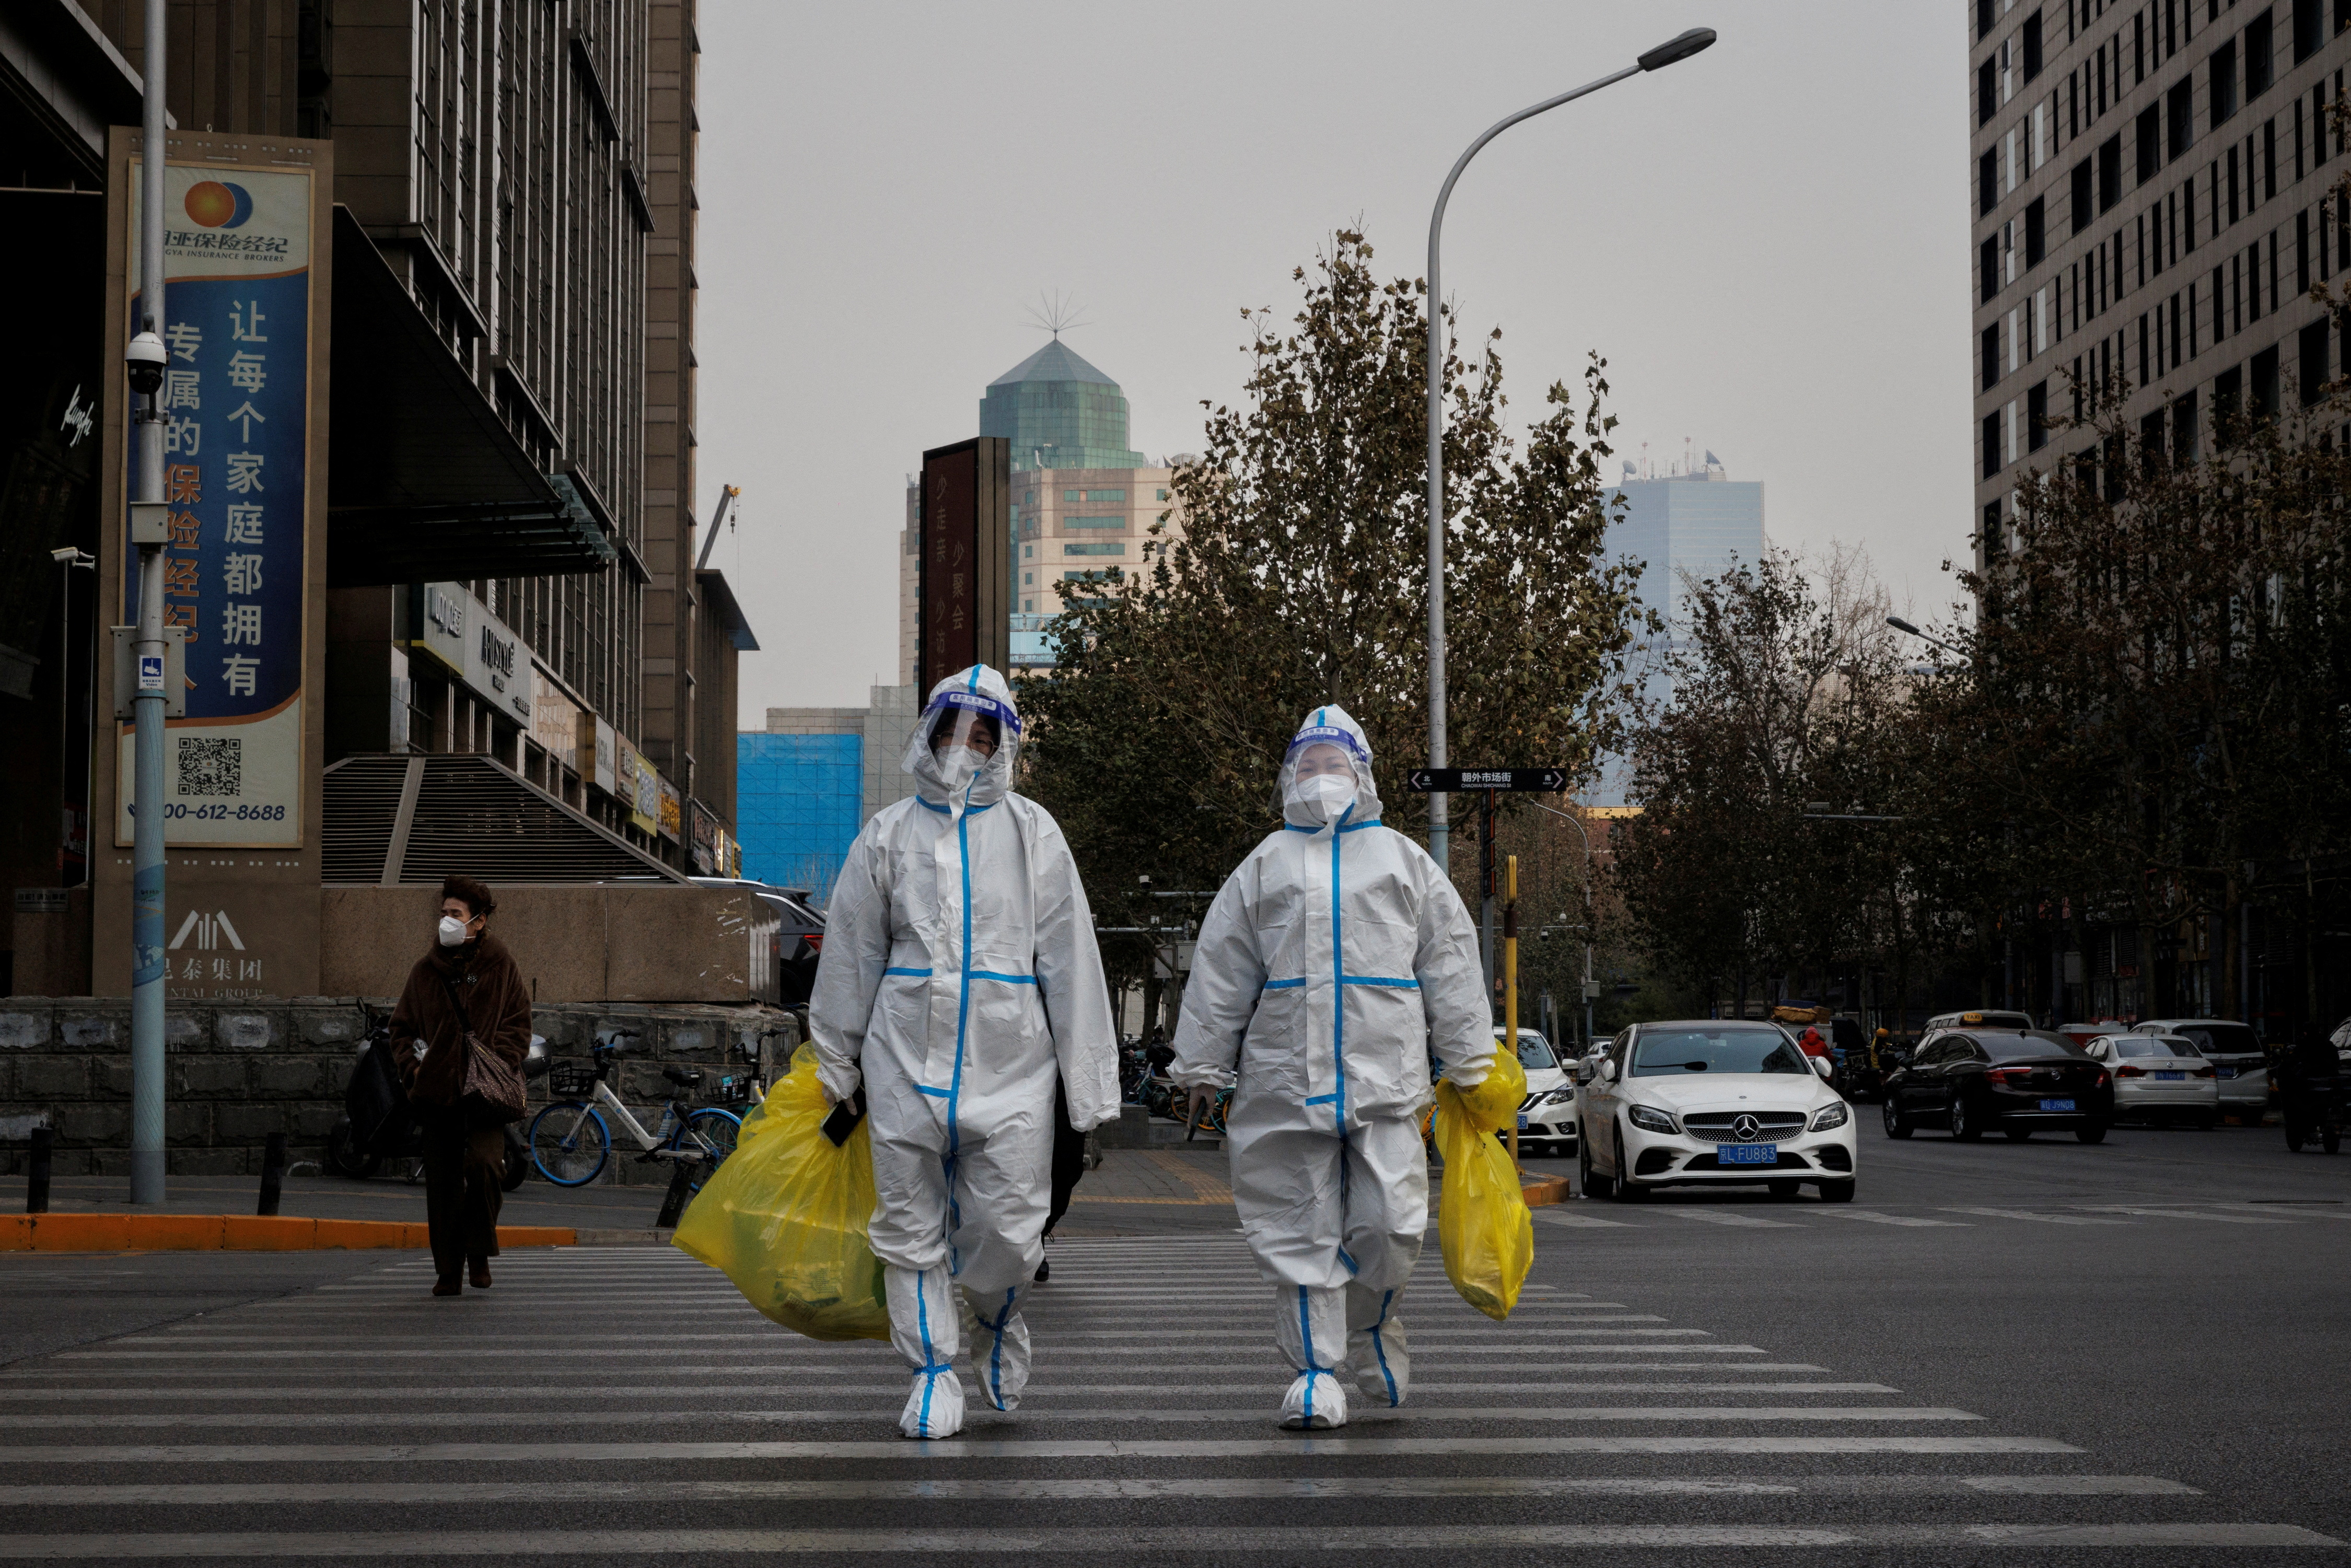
(570, 1143)
(717, 1128)
(1217, 1110)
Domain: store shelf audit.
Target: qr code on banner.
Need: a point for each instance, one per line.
(211, 766)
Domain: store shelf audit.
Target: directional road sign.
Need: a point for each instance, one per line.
(1462, 780)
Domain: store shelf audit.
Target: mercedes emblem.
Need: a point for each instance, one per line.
(1745, 1127)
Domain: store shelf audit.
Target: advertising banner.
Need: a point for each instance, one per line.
(624, 771)
(599, 755)
(237, 389)
(553, 720)
(672, 814)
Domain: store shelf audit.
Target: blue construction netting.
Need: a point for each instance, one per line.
(799, 802)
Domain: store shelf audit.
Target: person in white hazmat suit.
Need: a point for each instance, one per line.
(960, 975)
(1331, 964)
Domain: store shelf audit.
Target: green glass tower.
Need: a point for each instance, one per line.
(1058, 412)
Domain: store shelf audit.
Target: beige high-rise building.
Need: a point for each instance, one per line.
(1082, 503)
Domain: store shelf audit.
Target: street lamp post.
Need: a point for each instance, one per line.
(1664, 53)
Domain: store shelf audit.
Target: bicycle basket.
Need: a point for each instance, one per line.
(569, 1080)
(731, 1091)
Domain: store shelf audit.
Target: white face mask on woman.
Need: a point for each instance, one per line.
(453, 931)
(1325, 797)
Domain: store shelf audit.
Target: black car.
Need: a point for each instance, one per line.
(2019, 1080)
(799, 940)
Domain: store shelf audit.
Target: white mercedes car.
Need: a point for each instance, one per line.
(1711, 1102)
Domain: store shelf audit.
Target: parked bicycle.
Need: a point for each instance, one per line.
(571, 1140)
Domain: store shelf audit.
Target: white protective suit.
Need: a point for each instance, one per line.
(960, 975)
(1333, 961)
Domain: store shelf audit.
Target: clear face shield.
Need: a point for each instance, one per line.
(1322, 776)
(966, 733)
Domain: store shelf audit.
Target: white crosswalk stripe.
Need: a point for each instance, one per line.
(640, 1384)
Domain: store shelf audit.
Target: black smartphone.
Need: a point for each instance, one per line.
(844, 1119)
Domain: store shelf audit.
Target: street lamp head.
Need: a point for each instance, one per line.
(1677, 49)
(1901, 625)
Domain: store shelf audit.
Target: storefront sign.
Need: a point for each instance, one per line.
(703, 843)
(624, 770)
(443, 614)
(237, 391)
(599, 752)
(477, 649)
(497, 668)
(553, 720)
(672, 819)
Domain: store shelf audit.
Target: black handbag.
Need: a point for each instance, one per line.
(493, 1095)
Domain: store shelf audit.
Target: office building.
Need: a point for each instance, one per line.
(1693, 522)
(498, 519)
(1082, 501)
(2151, 204)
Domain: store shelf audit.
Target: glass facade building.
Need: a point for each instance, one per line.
(1700, 524)
(1058, 412)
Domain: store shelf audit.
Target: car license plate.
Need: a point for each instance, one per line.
(2225, 1072)
(2172, 1077)
(1748, 1155)
(1523, 1120)
(2056, 1104)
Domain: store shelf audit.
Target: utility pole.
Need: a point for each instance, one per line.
(148, 963)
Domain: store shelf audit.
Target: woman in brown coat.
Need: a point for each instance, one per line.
(466, 984)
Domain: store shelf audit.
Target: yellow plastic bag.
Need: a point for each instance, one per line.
(1482, 1224)
(785, 1217)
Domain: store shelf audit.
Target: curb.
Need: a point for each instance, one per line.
(234, 1233)
(1543, 1191)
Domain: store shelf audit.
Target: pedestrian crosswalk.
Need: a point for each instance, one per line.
(625, 1405)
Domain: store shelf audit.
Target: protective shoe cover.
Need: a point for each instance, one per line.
(924, 1321)
(1334, 960)
(959, 978)
(1310, 1325)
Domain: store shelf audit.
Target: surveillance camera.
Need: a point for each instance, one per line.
(144, 361)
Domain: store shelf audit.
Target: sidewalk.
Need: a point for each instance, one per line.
(308, 1197)
(1135, 1192)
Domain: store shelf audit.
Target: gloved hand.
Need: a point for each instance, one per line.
(1466, 1076)
(1197, 1100)
(837, 1089)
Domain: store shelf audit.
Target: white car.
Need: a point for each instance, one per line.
(2158, 1077)
(1547, 1115)
(2237, 1058)
(1712, 1102)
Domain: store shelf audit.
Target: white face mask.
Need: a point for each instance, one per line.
(959, 766)
(1325, 797)
(453, 931)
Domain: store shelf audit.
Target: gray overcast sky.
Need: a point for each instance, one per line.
(1768, 243)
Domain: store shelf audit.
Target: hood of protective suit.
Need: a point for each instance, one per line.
(954, 781)
(1301, 807)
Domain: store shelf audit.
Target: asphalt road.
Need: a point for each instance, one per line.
(2128, 1354)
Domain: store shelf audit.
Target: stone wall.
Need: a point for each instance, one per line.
(238, 1072)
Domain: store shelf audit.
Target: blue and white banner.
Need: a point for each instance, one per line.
(237, 385)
